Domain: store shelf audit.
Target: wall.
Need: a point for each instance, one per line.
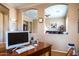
(7, 19)
(1, 27)
(4, 13)
(12, 17)
(58, 21)
(12, 11)
(34, 26)
(60, 42)
(20, 20)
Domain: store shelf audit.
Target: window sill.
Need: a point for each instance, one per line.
(55, 32)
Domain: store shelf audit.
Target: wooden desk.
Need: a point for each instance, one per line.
(38, 50)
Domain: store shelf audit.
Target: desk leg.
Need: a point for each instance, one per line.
(50, 51)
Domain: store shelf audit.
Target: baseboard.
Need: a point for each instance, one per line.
(60, 51)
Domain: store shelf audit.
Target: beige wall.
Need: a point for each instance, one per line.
(3, 22)
(34, 27)
(58, 21)
(20, 20)
(1, 27)
(7, 17)
(12, 16)
(59, 41)
(12, 11)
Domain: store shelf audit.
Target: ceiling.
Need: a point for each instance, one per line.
(53, 10)
(22, 5)
(56, 11)
(31, 13)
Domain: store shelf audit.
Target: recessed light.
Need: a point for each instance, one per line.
(57, 11)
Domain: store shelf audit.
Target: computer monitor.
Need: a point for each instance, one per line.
(17, 39)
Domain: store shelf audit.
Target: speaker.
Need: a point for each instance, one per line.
(32, 41)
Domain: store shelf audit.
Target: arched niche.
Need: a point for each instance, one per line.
(31, 13)
(55, 18)
(30, 20)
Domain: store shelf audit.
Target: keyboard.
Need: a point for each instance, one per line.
(21, 50)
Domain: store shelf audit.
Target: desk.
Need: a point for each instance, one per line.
(38, 50)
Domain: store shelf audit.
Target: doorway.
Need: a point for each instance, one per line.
(4, 22)
(1, 27)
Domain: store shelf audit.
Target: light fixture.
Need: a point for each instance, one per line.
(40, 20)
(47, 15)
(13, 20)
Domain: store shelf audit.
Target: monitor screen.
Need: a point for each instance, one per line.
(15, 39)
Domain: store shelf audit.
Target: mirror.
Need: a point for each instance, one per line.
(55, 18)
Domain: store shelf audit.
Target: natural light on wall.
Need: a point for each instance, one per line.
(12, 25)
